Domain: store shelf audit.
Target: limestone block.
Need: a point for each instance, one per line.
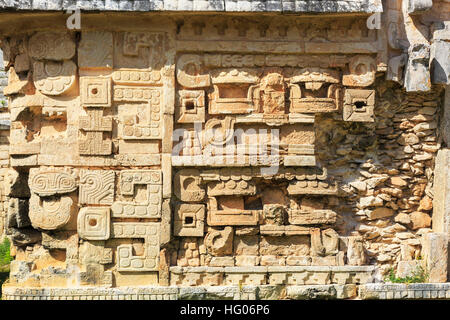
(222, 262)
(144, 120)
(303, 217)
(440, 66)
(51, 46)
(231, 217)
(231, 187)
(18, 213)
(191, 106)
(52, 181)
(396, 68)
(324, 243)
(220, 242)
(54, 77)
(166, 223)
(246, 261)
(66, 240)
(96, 187)
(95, 91)
(300, 161)
(94, 223)
(94, 125)
(94, 252)
(139, 50)
(359, 105)
(188, 80)
(417, 76)
(50, 213)
(407, 268)
(280, 231)
(126, 261)
(420, 220)
(435, 249)
(298, 261)
(130, 76)
(312, 187)
(356, 255)
(419, 6)
(315, 79)
(189, 220)
(187, 185)
(95, 50)
(150, 206)
(361, 72)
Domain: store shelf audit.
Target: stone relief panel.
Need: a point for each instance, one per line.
(94, 223)
(243, 158)
(150, 205)
(96, 187)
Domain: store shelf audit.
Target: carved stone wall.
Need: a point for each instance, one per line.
(205, 150)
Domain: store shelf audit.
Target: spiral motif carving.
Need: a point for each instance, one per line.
(51, 183)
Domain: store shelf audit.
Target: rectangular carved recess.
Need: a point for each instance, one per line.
(240, 187)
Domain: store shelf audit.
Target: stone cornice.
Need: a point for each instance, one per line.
(288, 6)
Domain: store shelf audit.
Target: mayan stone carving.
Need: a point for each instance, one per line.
(226, 150)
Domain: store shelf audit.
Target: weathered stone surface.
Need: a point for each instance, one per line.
(441, 201)
(200, 5)
(198, 151)
(435, 248)
(380, 213)
(420, 220)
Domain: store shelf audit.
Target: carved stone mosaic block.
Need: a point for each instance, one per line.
(50, 213)
(191, 106)
(324, 243)
(231, 83)
(139, 50)
(95, 91)
(148, 208)
(220, 242)
(359, 105)
(231, 187)
(189, 80)
(189, 220)
(301, 217)
(361, 72)
(149, 260)
(96, 187)
(54, 77)
(315, 90)
(126, 76)
(52, 181)
(51, 46)
(95, 50)
(231, 215)
(94, 125)
(187, 185)
(141, 121)
(94, 223)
